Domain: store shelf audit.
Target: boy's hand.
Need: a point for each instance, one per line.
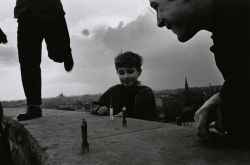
(3, 38)
(119, 114)
(102, 111)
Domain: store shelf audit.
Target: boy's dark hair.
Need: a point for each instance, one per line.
(128, 59)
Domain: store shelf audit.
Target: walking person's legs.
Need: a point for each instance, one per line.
(29, 40)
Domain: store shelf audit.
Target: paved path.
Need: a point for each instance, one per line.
(140, 143)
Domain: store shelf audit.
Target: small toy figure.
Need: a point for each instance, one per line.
(124, 115)
(111, 111)
(85, 144)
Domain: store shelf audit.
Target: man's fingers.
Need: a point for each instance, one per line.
(204, 134)
(3, 40)
(202, 126)
(196, 120)
(203, 130)
(218, 121)
(196, 117)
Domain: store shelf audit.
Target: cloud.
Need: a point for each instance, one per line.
(85, 32)
(99, 30)
(166, 60)
(8, 55)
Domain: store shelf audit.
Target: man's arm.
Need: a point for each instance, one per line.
(1, 118)
(207, 113)
(3, 38)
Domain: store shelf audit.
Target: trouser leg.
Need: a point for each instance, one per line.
(57, 39)
(29, 40)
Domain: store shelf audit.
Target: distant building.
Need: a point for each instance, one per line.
(61, 96)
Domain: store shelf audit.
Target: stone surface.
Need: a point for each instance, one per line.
(58, 134)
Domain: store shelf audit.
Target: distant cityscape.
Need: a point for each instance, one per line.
(170, 103)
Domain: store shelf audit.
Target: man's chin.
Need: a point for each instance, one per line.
(183, 39)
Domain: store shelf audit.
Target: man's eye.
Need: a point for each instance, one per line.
(154, 5)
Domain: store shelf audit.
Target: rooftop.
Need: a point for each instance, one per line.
(56, 139)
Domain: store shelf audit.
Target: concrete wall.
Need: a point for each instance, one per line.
(24, 148)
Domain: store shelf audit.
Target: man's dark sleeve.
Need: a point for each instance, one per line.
(1, 117)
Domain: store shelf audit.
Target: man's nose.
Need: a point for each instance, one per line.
(160, 22)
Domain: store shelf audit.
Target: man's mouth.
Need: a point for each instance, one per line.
(169, 26)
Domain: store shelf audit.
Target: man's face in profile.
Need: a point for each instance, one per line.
(176, 15)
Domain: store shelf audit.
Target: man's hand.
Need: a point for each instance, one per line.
(102, 110)
(210, 111)
(3, 38)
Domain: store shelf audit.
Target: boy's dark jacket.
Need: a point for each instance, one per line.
(144, 103)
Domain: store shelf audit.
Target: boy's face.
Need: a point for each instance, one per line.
(128, 75)
(177, 15)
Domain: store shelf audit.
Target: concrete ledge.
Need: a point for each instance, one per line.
(55, 139)
(24, 147)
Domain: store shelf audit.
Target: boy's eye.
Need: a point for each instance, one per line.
(130, 71)
(121, 72)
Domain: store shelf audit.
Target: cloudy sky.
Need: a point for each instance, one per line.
(99, 30)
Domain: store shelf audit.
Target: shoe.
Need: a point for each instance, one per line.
(69, 63)
(31, 113)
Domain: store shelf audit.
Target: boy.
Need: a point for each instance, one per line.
(138, 99)
(229, 22)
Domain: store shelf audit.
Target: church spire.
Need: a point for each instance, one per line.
(186, 86)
